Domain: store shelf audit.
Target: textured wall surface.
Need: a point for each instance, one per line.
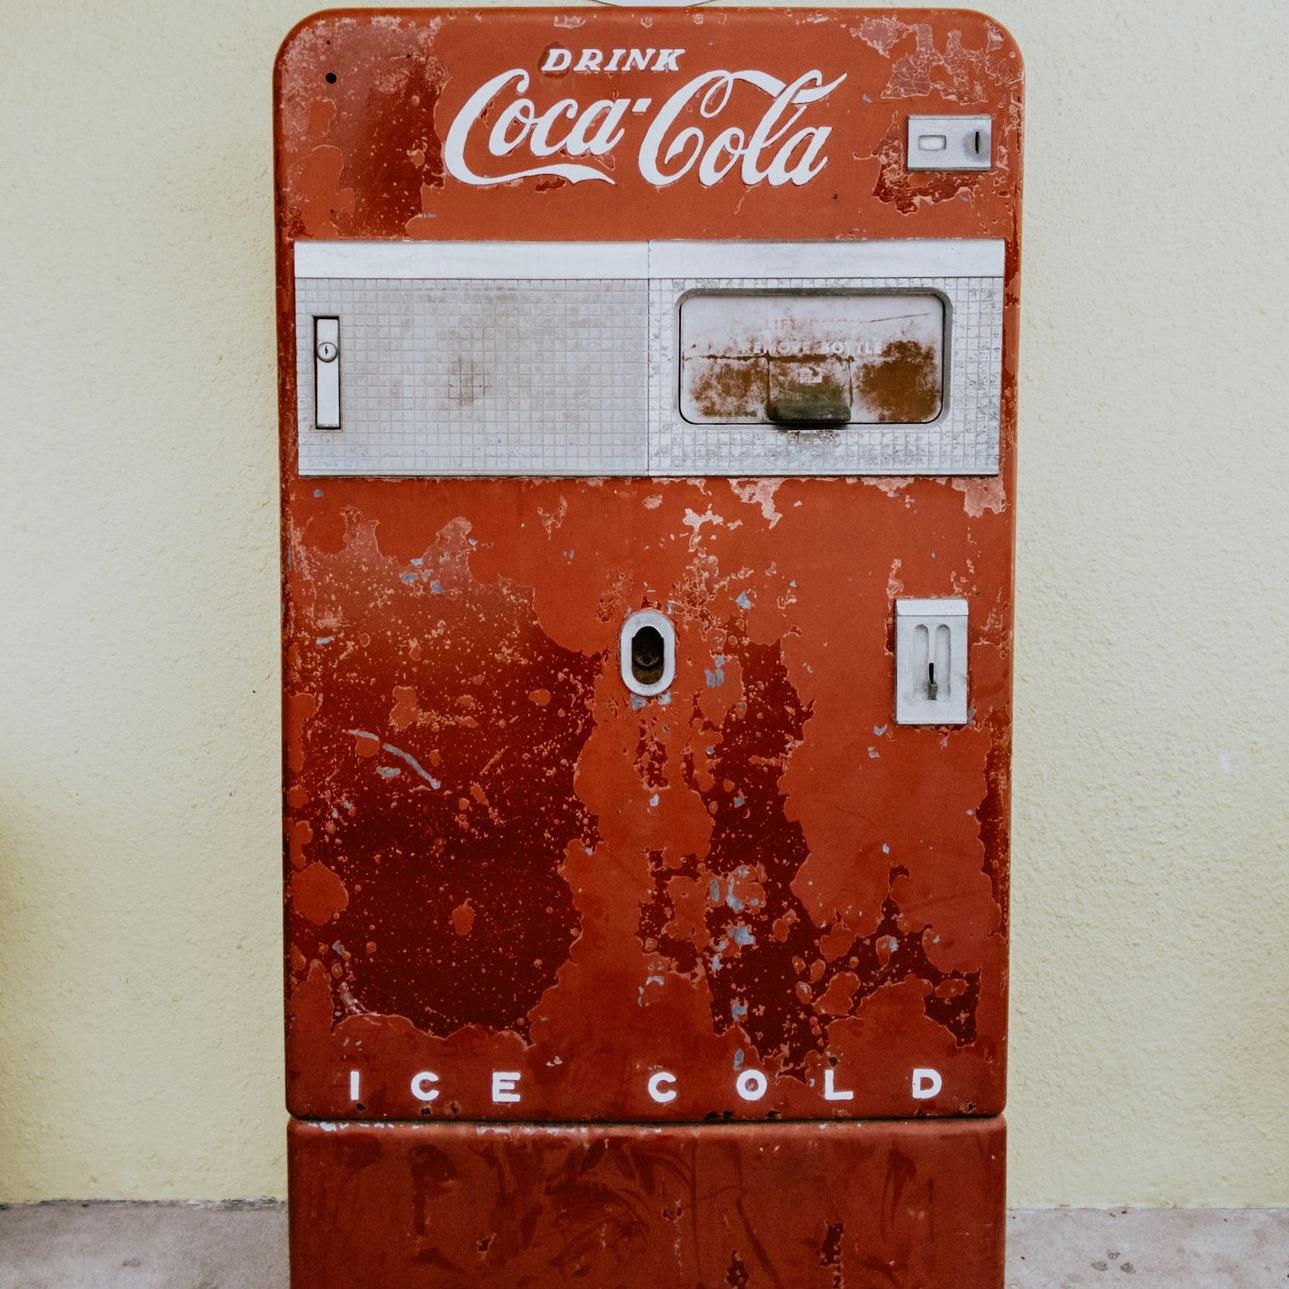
(140, 1048)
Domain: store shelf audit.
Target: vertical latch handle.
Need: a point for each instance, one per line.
(326, 373)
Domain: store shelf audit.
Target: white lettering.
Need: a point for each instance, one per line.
(662, 1085)
(504, 1083)
(656, 1090)
(926, 1084)
(777, 150)
(715, 90)
(355, 1083)
(421, 1086)
(607, 133)
(796, 160)
(711, 169)
(454, 144)
(559, 59)
(519, 113)
(831, 1091)
(542, 144)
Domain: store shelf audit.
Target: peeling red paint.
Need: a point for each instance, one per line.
(925, 62)
(843, 1206)
(322, 199)
(317, 894)
(980, 495)
(296, 710)
(788, 730)
(463, 918)
(416, 832)
(301, 834)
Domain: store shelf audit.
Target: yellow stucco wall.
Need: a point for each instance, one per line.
(140, 1050)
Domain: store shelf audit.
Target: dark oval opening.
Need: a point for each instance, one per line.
(647, 655)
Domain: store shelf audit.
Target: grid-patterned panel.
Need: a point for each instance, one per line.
(457, 377)
(580, 377)
(962, 440)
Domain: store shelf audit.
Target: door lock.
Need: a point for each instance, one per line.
(326, 373)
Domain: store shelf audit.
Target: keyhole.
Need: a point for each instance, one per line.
(647, 655)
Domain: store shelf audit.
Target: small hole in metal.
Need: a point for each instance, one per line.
(331, 78)
(647, 659)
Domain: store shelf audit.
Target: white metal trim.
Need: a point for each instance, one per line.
(911, 258)
(569, 261)
(473, 261)
(931, 608)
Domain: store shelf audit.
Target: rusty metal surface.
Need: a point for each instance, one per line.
(497, 860)
(798, 1206)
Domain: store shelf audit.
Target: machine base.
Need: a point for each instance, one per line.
(819, 1205)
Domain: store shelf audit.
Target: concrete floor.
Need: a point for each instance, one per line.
(243, 1246)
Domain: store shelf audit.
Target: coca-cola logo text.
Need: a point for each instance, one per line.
(778, 148)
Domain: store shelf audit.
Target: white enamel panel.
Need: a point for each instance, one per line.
(564, 359)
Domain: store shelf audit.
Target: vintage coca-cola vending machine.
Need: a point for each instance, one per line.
(648, 435)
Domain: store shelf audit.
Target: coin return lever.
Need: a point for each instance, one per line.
(931, 662)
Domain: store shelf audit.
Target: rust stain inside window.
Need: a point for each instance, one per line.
(812, 358)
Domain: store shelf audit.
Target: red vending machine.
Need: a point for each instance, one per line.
(648, 417)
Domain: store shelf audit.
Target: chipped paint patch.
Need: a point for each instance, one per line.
(891, 486)
(952, 70)
(759, 493)
(411, 864)
(695, 521)
(981, 494)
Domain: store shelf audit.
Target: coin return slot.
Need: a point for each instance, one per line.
(647, 653)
